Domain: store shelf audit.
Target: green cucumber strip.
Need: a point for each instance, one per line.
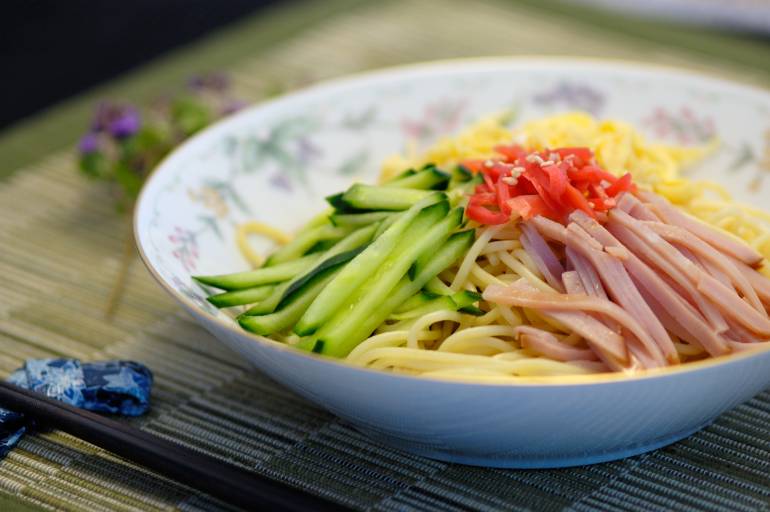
(439, 304)
(385, 224)
(358, 219)
(285, 316)
(406, 173)
(319, 220)
(359, 269)
(461, 174)
(335, 261)
(304, 241)
(369, 197)
(454, 249)
(430, 178)
(465, 298)
(458, 301)
(241, 297)
(268, 305)
(423, 235)
(260, 276)
(354, 240)
(437, 286)
(415, 301)
(423, 259)
(472, 310)
(321, 246)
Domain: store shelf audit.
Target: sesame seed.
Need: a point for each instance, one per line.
(510, 180)
(489, 163)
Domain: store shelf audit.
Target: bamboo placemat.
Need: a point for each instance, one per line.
(60, 249)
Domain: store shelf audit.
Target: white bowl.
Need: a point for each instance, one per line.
(276, 161)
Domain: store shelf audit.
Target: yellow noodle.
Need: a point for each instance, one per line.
(243, 231)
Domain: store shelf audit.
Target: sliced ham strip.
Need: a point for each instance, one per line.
(587, 274)
(718, 239)
(623, 291)
(721, 263)
(760, 283)
(548, 345)
(670, 322)
(635, 208)
(549, 229)
(657, 252)
(667, 297)
(524, 295)
(540, 252)
(733, 306)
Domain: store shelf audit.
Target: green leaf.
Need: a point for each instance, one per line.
(128, 179)
(190, 115)
(95, 165)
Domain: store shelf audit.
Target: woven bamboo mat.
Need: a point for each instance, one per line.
(60, 249)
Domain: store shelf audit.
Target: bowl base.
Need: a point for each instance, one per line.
(512, 461)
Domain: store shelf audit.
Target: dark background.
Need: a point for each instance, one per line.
(53, 49)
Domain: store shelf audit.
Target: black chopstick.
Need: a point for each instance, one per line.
(225, 481)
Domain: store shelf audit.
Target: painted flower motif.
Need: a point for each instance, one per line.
(185, 247)
(211, 198)
(438, 118)
(288, 145)
(572, 95)
(280, 181)
(682, 126)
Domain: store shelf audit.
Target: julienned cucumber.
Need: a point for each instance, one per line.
(369, 197)
(355, 240)
(359, 269)
(304, 241)
(458, 301)
(241, 297)
(415, 301)
(428, 231)
(289, 313)
(437, 286)
(454, 249)
(260, 276)
(358, 219)
(298, 285)
(268, 305)
(430, 178)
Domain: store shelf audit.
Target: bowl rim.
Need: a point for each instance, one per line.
(444, 65)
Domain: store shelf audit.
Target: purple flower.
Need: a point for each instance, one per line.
(120, 121)
(125, 123)
(89, 143)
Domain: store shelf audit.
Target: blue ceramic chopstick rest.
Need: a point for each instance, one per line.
(116, 387)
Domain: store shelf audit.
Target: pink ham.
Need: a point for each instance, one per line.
(540, 252)
(657, 252)
(623, 291)
(721, 264)
(548, 345)
(665, 295)
(522, 294)
(718, 239)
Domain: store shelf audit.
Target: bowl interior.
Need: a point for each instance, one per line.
(276, 162)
